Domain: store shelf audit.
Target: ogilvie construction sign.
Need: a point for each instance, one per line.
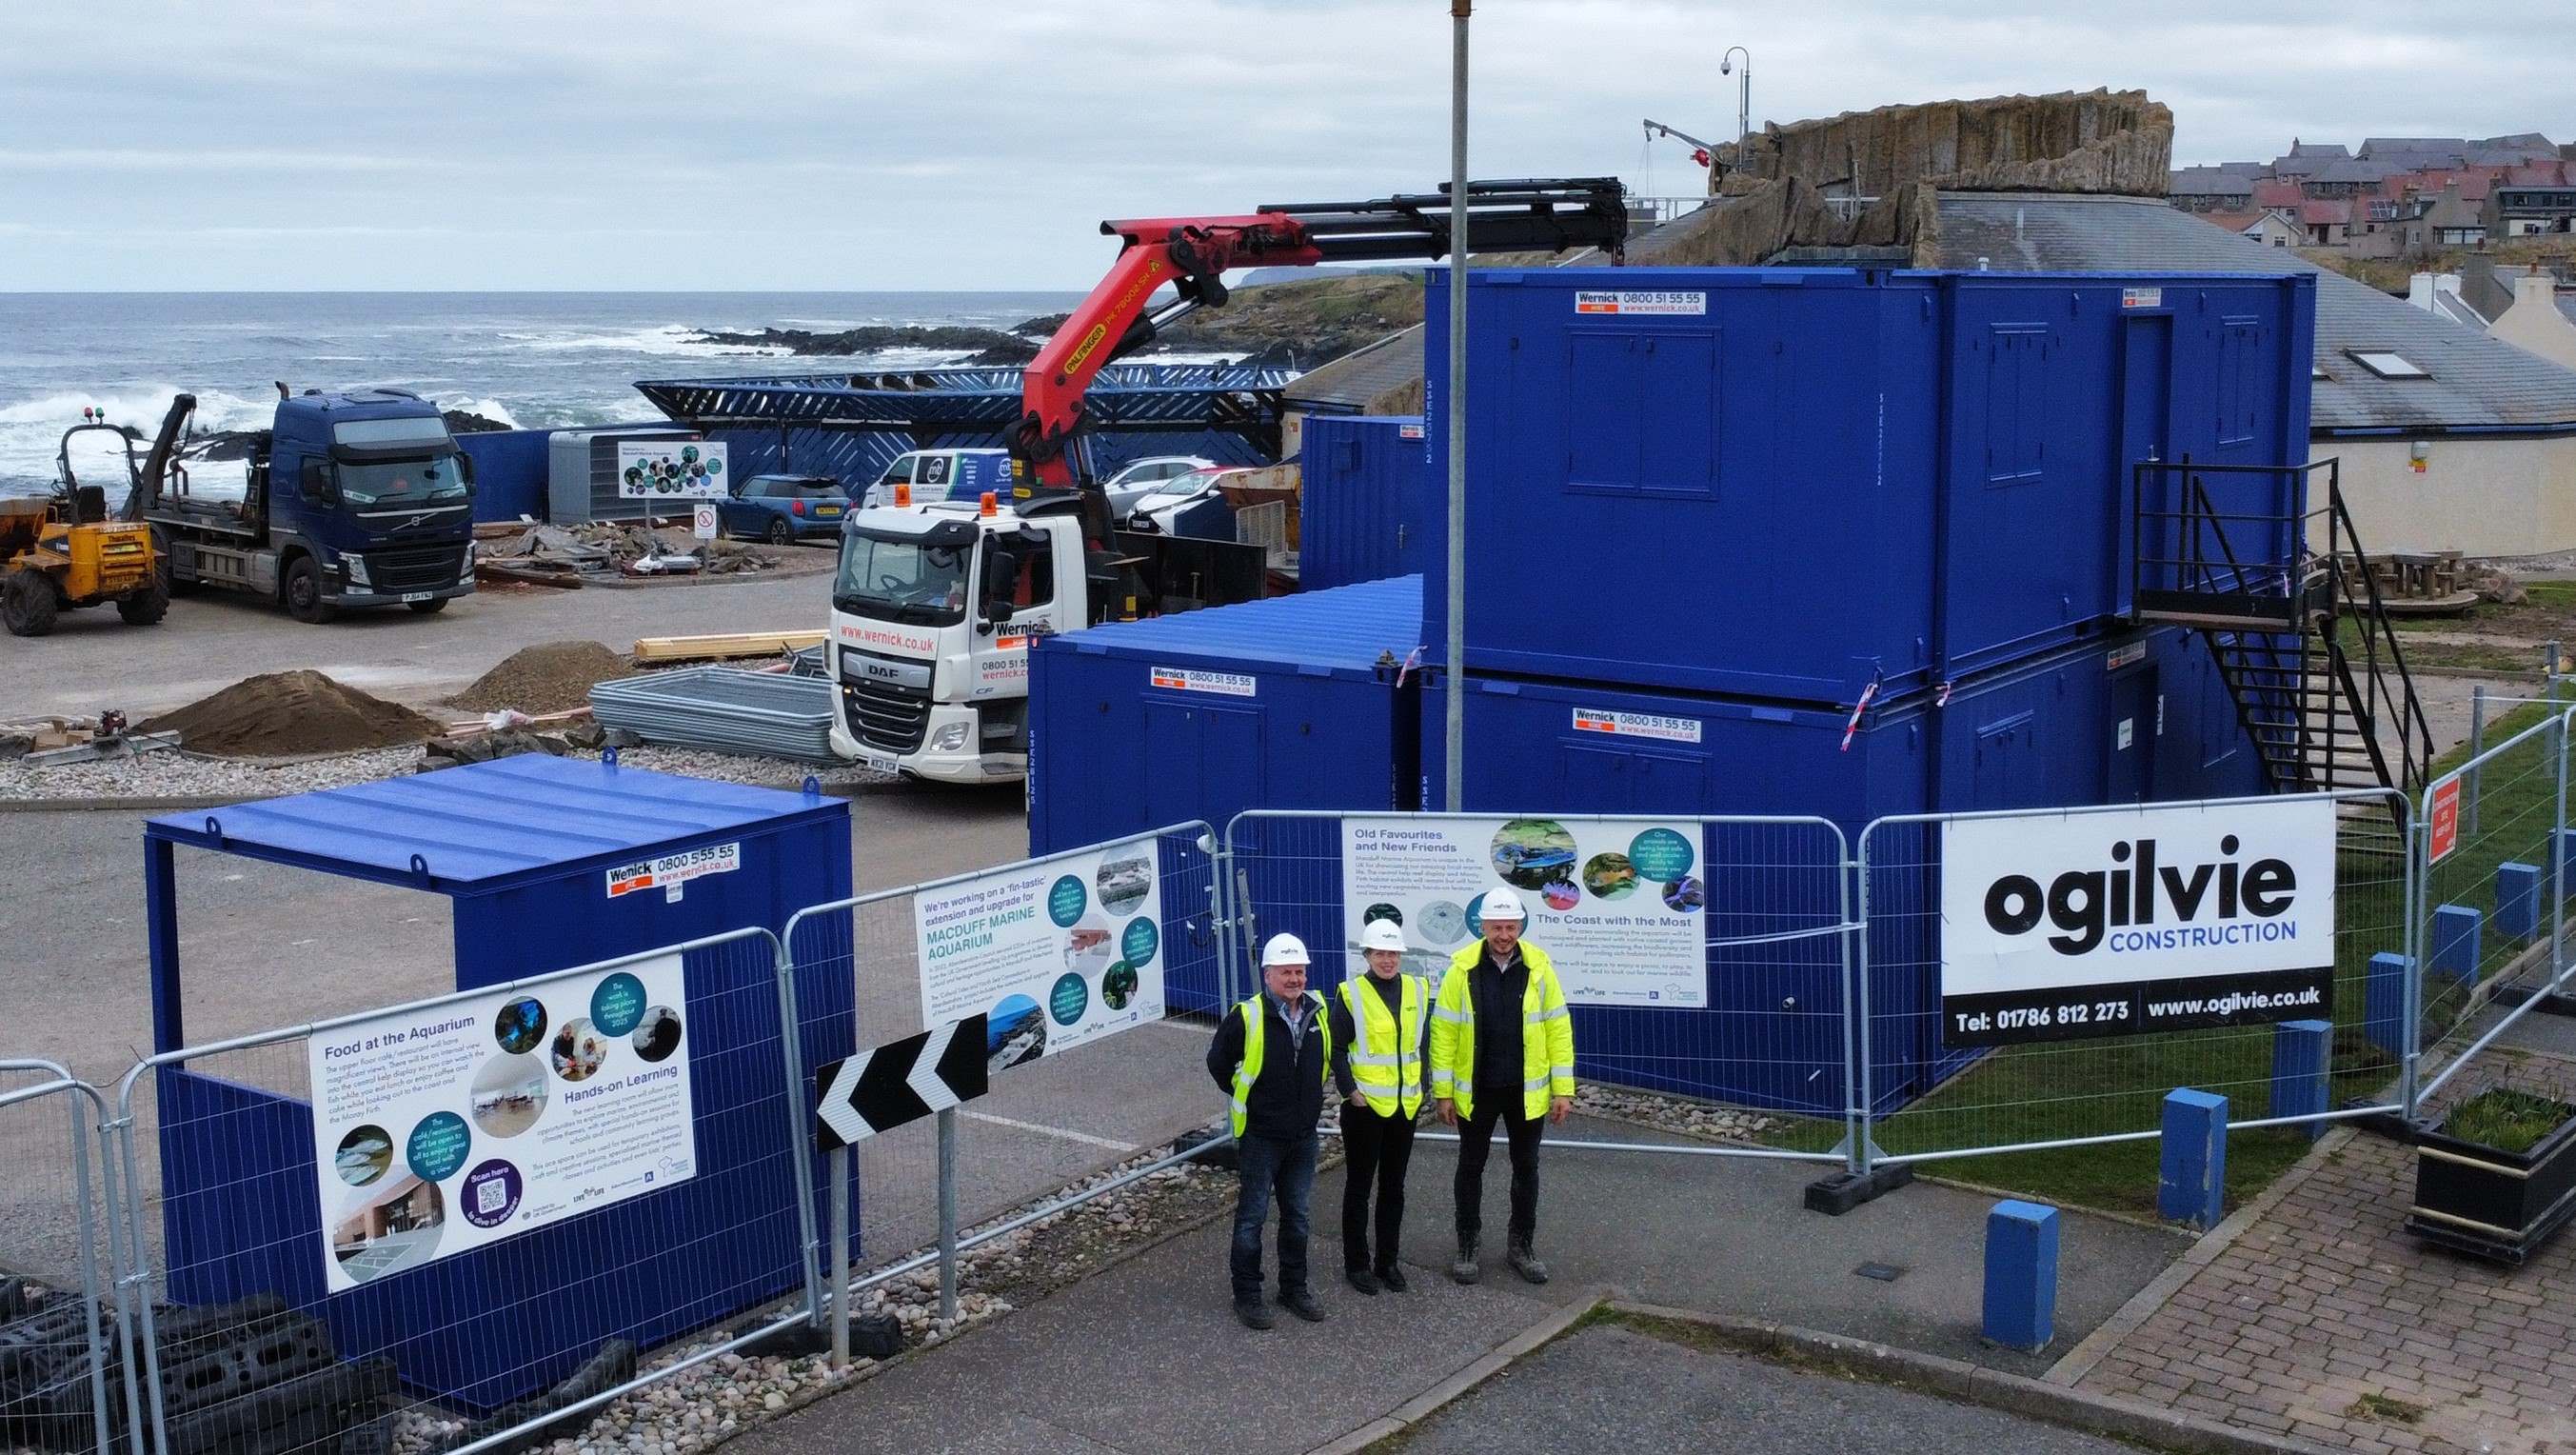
(2150, 919)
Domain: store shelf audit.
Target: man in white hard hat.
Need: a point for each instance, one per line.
(1377, 1067)
(1270, 1056)
(1502, 1049)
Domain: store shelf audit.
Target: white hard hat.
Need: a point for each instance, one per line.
(1503, 904)
(1382, 934)
(1283, 950)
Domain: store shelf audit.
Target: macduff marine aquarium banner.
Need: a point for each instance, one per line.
(442, 1129)
(1618, 905)
(1052, 954)
(2142, 920)
(661, 470)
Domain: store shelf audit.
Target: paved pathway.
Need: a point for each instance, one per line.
(2325, 1311)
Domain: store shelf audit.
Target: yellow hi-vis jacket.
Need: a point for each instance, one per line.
(1256, 1046)
(1547, 1033)
(1386, 1048)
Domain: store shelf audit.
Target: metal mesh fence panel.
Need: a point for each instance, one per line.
(1932, 1098)
(59, 1386)
(1761, 1026)
(295, 1318)
(1051, 1117)
(2495, 875)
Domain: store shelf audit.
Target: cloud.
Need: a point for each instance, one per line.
(905, 143)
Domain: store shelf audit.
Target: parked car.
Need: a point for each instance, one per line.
(1188, 505)
(782, 509)
(1140, 478)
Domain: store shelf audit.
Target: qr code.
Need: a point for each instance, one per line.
(491, 1197)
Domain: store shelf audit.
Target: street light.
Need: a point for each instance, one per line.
(1744, 90)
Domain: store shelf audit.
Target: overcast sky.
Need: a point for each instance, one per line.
(864, 144)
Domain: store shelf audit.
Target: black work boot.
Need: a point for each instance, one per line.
(1254, 1313)
(1391, 1278)
(1361, 1279)
(1464, 1270)
(1526, 1263)
(1301, 1302)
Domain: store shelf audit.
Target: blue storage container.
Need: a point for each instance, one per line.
(2095, 723)
(1369, 507)
(1783, 482)
(510, 468)
(1292, 702)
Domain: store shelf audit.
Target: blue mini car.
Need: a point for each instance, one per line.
(782, 509)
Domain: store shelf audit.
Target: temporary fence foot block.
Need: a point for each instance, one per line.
(1840, 1193)
(2021, 1275)
(2455, 942)
(2383, 1013)
(2517, 899)
(2543, 1002)
(792, 1340)
(2389, 1124)
(2300, 1066)
(2191, 1187)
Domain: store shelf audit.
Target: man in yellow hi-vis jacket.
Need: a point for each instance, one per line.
(1502, 1049)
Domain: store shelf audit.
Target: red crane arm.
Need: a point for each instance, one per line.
(1190, 254)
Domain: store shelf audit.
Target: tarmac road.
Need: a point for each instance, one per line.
(213, 639)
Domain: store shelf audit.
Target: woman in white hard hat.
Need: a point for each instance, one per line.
(1502, 1049)
(1377, 1067)
(1270, 1055)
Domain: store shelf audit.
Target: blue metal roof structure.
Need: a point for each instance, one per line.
(1346, 631)
(480, 826)
(852, 425)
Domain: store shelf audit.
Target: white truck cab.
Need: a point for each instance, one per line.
(932, 612)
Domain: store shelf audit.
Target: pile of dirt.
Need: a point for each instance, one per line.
(287, 714)
(548, 677)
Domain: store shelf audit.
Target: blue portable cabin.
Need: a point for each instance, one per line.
(852, 425)
(522, 848)
(1291, 702)
(510, 472)
(1369, 507)
(2096, 722)
(1788, 482)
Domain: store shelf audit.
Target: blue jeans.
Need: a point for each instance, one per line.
(1281, 1168)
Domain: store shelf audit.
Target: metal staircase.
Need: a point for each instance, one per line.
(2285, 597)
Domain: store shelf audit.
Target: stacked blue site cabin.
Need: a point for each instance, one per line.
(1368, 505)
(521, 848)
(1739, 504)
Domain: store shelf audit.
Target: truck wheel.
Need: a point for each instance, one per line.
(780, 533)
(429, 608)
(147, 606)
(304, 592)
(27, 603)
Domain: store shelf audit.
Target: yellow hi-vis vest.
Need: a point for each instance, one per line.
(1386, 1046)
(1547, 1034)
(1256, 1045)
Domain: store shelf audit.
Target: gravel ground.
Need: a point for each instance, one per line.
(1670, 1113)
(185, 775)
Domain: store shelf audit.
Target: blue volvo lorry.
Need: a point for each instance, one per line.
(350, 499)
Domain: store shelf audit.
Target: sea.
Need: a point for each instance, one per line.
(533, 360)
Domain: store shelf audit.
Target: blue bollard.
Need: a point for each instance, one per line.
(2192, 1186)
(2021, 1275)
(2517, 900)
(2566, 857)
(2383, 1002)
(2301, 1052)
(2455, 942)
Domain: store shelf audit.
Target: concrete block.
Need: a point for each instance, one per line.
(2383, 1008)
(2517, 900)
(2302, 1054)
(2456, 933)
(2021, 1275)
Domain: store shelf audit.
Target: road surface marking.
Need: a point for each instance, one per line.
(1085, 1138)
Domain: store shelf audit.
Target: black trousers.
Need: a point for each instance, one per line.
(1378, 1149)
(1475, 1139)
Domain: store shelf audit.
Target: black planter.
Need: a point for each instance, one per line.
(2496, 1205)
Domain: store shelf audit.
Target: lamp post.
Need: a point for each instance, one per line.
(1743, 92)
(1454, 704)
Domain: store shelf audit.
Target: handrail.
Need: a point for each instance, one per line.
(2414, 730)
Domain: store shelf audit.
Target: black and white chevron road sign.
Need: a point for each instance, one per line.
(900, 1081)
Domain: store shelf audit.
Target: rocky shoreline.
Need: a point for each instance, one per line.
(1298, 325)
